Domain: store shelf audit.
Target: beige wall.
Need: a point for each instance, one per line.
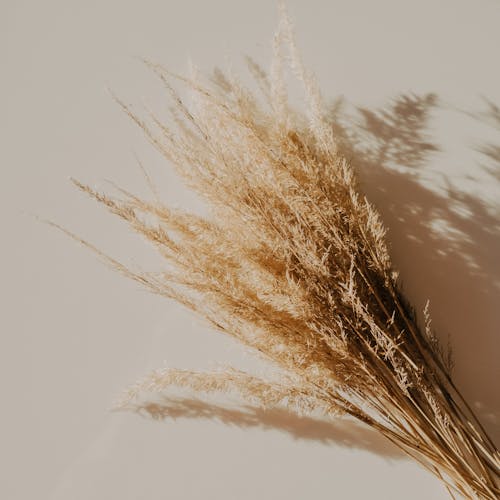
(74, 334)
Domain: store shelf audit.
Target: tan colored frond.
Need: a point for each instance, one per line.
(292, 261)
(251, 389)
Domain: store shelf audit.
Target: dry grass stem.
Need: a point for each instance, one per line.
(293, 263)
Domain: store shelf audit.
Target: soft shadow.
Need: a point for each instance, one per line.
(490, 150)
(341, 432)
(446, 244)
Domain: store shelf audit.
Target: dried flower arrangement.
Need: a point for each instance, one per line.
(293, 263)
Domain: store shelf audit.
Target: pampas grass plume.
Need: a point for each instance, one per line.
(293, 263)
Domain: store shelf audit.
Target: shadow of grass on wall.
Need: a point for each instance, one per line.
(340, 432)
(445, 244)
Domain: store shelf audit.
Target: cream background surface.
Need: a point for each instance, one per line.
(75, 334)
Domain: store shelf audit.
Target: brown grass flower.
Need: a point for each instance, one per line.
(293, 263)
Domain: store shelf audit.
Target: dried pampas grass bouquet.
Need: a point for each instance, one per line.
(293, 263)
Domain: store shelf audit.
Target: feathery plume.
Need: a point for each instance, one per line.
(293, 263)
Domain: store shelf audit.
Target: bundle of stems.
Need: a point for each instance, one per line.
(292, 262)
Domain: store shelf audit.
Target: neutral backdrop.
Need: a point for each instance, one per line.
(74, 334)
